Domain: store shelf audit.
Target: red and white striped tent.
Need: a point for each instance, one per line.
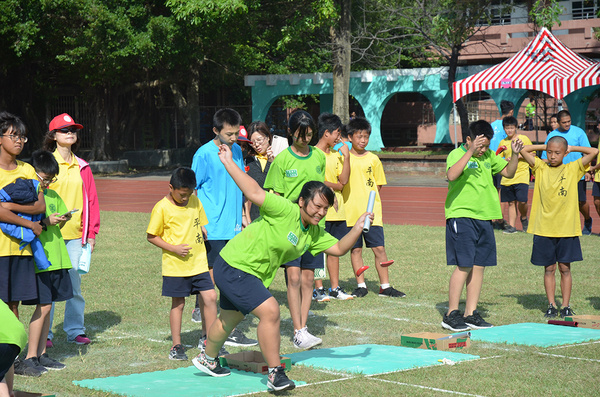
(545, 65)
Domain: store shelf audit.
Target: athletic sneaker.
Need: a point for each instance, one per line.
(178, 353)
(304, 340)
(211, 367)
(587, 226)
(566, 311)
(320, 295)
(50, 363)
(81, 340)
(34, 364)
(551, 312)
(509, 230)
(391, 292)
(455, 322)
(360, 292)
(49, 343)
(202, 347)
(525, 224)
(196, 317)
(28, 368)
(278, 380)
(474, 321)
(338, 293)
(238, 339)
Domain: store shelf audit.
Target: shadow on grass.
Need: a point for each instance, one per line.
(532, 301)
(96, 323)
(594, 301)
(442, 308)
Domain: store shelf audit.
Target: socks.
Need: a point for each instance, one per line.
(209, 358)
(384, 286)
(271, 369)
(362, 285)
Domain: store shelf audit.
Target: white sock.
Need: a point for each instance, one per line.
(384, 286)
(271, 369)
(362, 285)
(209, 358)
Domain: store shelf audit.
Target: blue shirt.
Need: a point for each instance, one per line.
(220, 196)
(575, 136)
(499, 134)
(339, 145)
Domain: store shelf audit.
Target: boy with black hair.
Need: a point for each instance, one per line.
(507, 109)
(471, 205)
(515, 190)
(555, 198)
(337, 172)
(221, 198)
(366, 176)
(177, 227)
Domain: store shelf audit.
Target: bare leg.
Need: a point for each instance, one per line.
(269, 337)
(38, 330)
(457, 282)
(221, 328)
(294, 275)
(566, 282)
(318, 284)
(523, 208)
(333, 268)
(512, 213)
(474, 283)
(208, 309)
(14, 307)
(6, 386)
(308, 276)
(177, 305)
(357, 263)
(584, 208)
(550, 283)
(597, 204)
(382, 272)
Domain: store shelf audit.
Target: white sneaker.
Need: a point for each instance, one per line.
(304, 340)
(315, 339)
(340, 294)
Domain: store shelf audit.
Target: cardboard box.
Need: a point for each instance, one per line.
(435, 341)
(29, 394)
(585, 321)
(251, 361)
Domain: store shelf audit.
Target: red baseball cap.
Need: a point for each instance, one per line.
(243, 135)
(63, 121)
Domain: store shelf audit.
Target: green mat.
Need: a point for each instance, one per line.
(373, 359)
(181, 382)
(534, 334)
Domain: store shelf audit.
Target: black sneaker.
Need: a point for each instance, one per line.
(50, 363)
(566, 311)
(525, 224)
(277, 380)
(391, 292)
(551, 312)
(28, 368)
(360, 292)
(196, 315)
(178, 353)
(510, 230)
(587, 226)
(238, 339)
(211, 367)
(474, 321)
(455, 322)
(202, 347)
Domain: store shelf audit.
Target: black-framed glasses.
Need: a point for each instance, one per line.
(47, 181)
(16, 138)
(69, 131)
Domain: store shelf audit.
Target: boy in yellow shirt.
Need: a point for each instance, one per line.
(514, 190)
(177, 226)
(555, 198)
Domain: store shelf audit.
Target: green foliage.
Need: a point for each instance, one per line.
(545, 13)
(197, 12)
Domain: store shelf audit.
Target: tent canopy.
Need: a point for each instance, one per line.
(545, 65)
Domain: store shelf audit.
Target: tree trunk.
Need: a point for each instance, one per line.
(460, 106)
(100, 128)
(341, 61)
(189, 106)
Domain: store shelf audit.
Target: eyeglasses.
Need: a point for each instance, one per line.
(258, 141)
(68, 131)
(16, 138)
(47, 181)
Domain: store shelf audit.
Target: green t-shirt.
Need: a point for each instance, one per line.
(12, 330)
(289, 172)
(51, 238)
(473, 194)
(274, 238)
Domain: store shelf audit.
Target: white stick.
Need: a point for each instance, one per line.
(367, 225)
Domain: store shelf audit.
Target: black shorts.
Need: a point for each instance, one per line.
(213, 249)
(52, 286)
(308, 261)
(517, 192)
(180, 287)
(17, 278)
(470, 242)
(240, 291)
(8, 353)
(337, 229)
(549, 250)
(596, 189)
(374, 238)
(497, 179)
(581, 190)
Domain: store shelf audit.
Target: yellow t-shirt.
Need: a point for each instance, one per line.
(180, 225)
(333, 170)
(555, 204)
(522, 174)
(69, 187)
(365, 175)
(9, 246)
(597, 174)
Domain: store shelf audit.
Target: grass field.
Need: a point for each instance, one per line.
(128, 320)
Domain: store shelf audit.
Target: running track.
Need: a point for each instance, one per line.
(402, 205)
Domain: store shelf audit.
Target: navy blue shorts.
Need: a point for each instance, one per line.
(374, 238)
(470, 242)
(596, 189)
(180, 287)
(52, 286)
(8, 353)
(581, 190)
(308, 261)
(549, 250)
(213, 249)
(240, 291)
(497, 179)
(337, 229)
(517, 192)
(17, 279)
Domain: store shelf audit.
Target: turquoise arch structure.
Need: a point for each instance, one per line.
(374, 88)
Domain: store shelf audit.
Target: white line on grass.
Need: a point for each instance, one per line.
(574, 345)
(571, 358)
(427, 388)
